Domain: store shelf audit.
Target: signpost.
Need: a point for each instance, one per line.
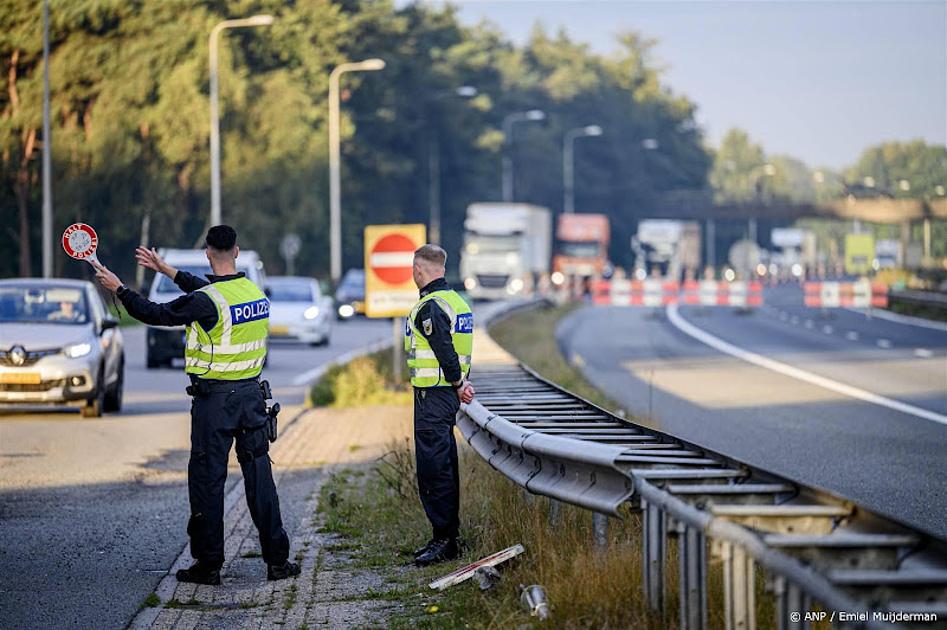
(289, 248)
(389, 286)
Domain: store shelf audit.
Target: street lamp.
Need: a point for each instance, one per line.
(533, 115)
(256, 20)
(768, 170)
(47, 157)
(434, 167)
(335, 199)
(568, 163)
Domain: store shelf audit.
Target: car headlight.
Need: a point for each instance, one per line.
(346, 310)
(516, 285)
(470, 283)
(558, 278)
(77, 350)
(311, 313)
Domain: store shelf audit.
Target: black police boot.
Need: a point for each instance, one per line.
(440, 551)
(421, 550)
(199, 573)
(281, 571)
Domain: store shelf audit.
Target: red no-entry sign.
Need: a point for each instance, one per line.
(389, 256)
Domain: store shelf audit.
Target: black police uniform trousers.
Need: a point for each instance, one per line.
(435, 450)
(231, 411)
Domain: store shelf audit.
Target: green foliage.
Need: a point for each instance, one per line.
(367, 380)
(922, 166)
(130, 123)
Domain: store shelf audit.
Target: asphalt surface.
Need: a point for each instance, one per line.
(93, 511)
(867, 421)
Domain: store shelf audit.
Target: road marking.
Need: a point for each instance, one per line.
(307, 377)
(897, 318)
(827, 330)
(883, 343)
(923, 353)
(851, 335)
(799, 374)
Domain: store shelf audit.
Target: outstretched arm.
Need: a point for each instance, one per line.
(150, 259)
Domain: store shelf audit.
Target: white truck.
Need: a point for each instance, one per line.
(507, 249)
(666, 248)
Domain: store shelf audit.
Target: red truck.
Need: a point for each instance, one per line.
(581, 245)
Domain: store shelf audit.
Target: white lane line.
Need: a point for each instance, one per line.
(923, 353)
(851, 335)
(897, 318)
(883, 343)
(827, 330)
(307, 377)
(793, 372)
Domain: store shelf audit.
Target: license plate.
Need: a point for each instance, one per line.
(279, 330)
(21, 378)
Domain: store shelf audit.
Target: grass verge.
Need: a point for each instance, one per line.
(367, 380)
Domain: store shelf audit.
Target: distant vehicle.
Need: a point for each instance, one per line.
(666, 248)
(165, 344)
(298, 310)
(350, 294)
(59, 346)
(506, 249)
(581, 245)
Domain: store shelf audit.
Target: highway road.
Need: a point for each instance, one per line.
(844, 400)
(93, 511)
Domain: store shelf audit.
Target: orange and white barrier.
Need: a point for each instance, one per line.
(859, 294)
(655, 293)
(650, 292)
(721, 293)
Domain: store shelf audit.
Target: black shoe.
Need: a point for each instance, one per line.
(420, 550)
(440, 551)
(199, 573)
(281, 571)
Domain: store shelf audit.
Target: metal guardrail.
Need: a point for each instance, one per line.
(930, 299)
(814, 547)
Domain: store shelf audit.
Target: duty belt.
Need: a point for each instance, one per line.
(204, 387)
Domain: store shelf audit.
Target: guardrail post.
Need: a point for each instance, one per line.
(692, 549)
(555, 512)
(653, 547)
(739, 588)
(790, 599)
(600, 530)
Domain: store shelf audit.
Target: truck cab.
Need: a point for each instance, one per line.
(581, 245)
(165, 345)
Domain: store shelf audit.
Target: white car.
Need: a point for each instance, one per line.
(59, 346)
(299, 310)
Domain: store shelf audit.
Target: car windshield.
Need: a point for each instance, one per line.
(353, 282)
(290, 291)
(579, 249)
(43, 304)
(166, 284)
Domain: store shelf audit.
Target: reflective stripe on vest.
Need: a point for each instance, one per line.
(423, 367)
(235, 348)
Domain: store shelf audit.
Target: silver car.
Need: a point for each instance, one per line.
(59, 346)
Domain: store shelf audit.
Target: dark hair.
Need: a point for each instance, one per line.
(221, 237)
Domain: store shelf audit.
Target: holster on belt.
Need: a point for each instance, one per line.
(272, 411)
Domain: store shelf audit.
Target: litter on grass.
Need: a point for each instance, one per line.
(465, 573)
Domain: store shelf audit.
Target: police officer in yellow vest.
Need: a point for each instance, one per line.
(225, 345)
(438, 342)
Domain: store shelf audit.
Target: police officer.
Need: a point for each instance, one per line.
(438, 343)
(225, 346)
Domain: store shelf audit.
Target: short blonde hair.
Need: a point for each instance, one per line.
(432, 255)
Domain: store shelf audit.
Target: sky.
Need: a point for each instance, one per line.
(817, 80)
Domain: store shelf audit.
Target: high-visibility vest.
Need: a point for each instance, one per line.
(423, 367)
(235, 347)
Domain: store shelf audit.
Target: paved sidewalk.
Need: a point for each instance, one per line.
(328, 593)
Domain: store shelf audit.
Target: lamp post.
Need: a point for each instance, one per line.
(768, 170)
(47, 156)
(256, 20)
(568, 163)
(532, 115)
(434, 168)
(335, 198)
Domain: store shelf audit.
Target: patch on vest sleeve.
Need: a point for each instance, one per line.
(428, 326)
(464, 323)
(250, 311)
